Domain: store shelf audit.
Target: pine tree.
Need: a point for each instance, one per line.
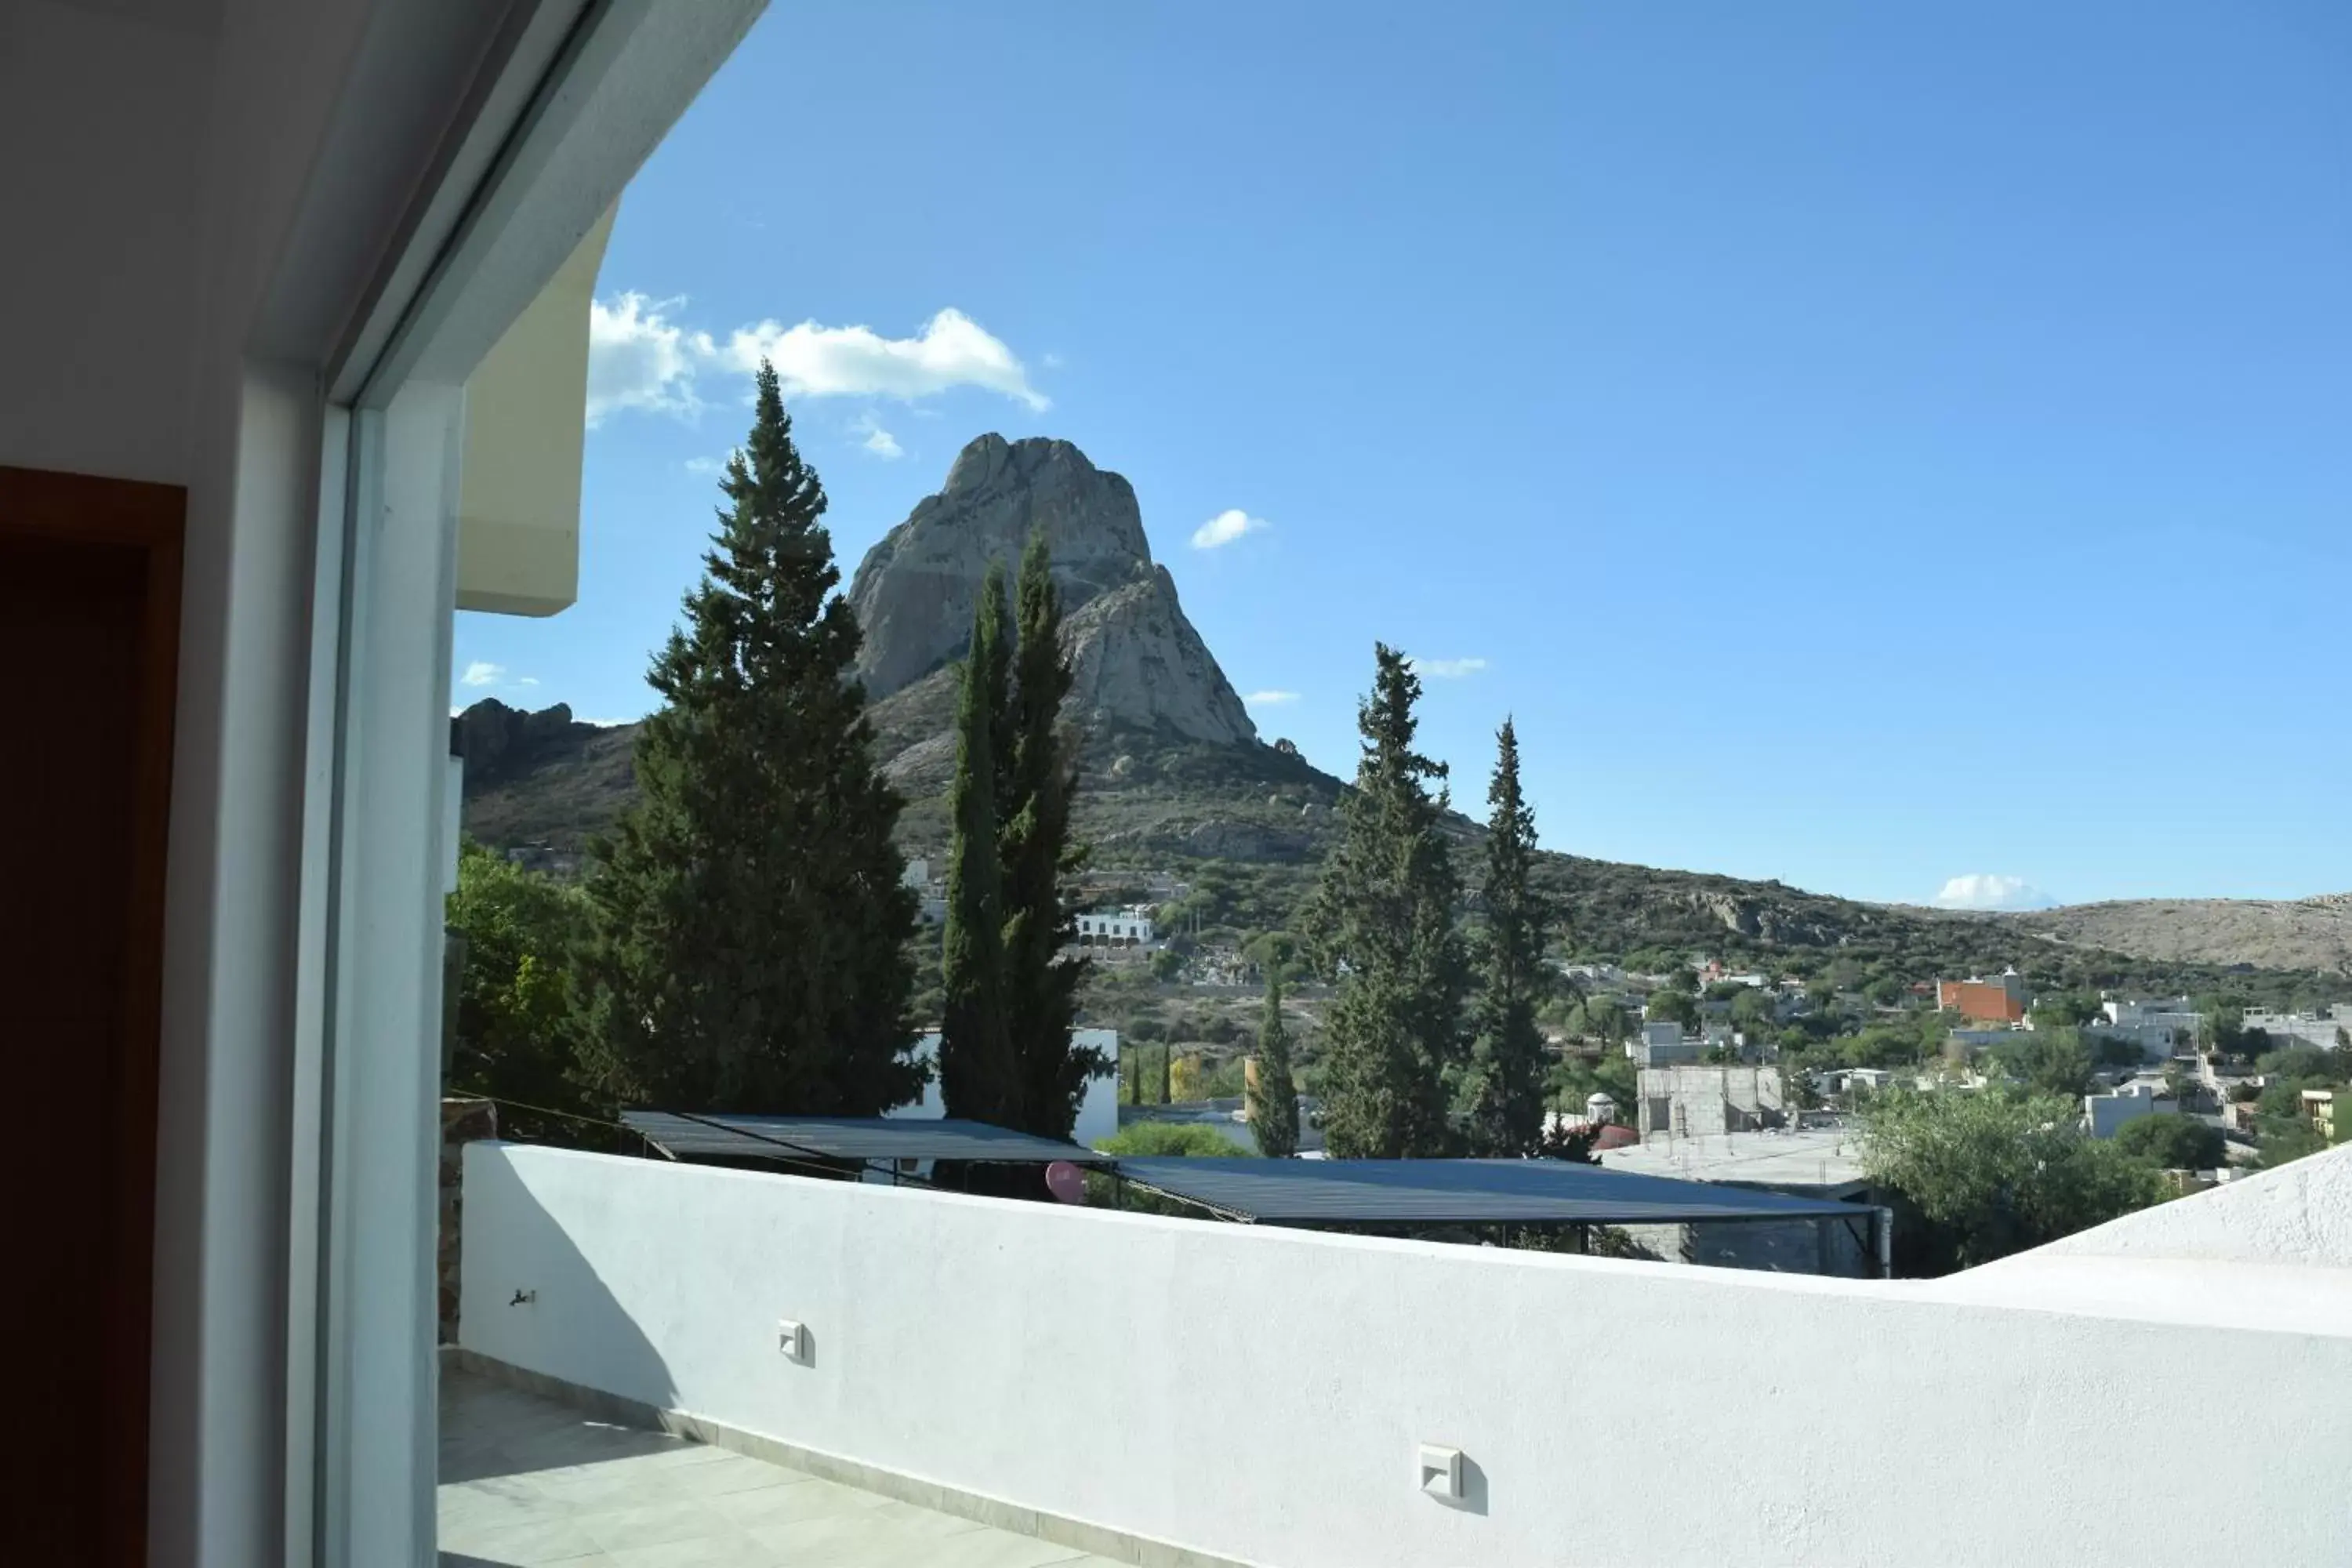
(979, 1080)
(1384, 924)
(1036, 782)
(1274, 1098)
(1506, 1069)
(751, 927)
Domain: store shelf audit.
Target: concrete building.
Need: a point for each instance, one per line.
(1694, 1101)
(2000, 1000)
(1663, 1044)
(1128, 927)
(1810, 1164)
(2321, 1108)
(2325, 1028)
(2104, 1115)
(2162, 1027)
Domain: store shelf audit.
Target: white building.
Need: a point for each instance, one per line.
(1663, 1044)
(1128, 927)
(2162, 1027)
(2104, 1115)
(2324, 1028)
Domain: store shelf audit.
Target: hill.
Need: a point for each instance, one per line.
(1175, 778)
(2307, 933)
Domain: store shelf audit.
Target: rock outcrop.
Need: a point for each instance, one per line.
(1137, 661)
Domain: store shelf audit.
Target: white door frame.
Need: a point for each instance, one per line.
(580, 99)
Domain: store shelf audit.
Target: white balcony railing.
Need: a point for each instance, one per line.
(1261, 1396)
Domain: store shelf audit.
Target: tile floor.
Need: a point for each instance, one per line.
(526, 1480)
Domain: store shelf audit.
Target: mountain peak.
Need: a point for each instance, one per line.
(1140, 661)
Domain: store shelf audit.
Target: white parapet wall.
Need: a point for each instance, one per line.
(1263, 1394)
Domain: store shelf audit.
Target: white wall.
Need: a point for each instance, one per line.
(1258, 1392)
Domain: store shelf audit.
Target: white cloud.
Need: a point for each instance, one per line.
(639, 357)
(705, 466)
(1446, 668)
(1270, 698)
(951, 350)
(1224, 528)
(482, 673)
(878, 441)
(1983, 890)
(527, 680)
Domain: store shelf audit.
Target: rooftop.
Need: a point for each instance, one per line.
(1457, 1191)
(1823, 1160)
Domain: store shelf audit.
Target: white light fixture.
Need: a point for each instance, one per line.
(1440, 1472)
(792, 1340)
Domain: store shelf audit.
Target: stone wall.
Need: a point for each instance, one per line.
(463, 1121)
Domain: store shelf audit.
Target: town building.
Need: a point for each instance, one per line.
(1823, 1164)
(2000, 1000)
(1129, 926)
(1688, 1100)
(2320, 1108)
(2327, 1028)
(2104, 1115)
(1664, 1043)
(2162, 1029)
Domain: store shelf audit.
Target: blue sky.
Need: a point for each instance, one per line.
(1867, 445)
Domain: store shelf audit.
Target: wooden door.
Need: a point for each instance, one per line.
(89, 595)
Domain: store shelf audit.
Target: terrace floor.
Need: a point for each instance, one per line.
(527, 1480)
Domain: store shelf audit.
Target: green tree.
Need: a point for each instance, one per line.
(979, 1072)
(2048, 1061)
(1384, 924)
(1151, 1139)
(516, 1039)
(1274, 1099)
(1667, 1005)
(1990, 1173)
(1751, 1009)
(1036, 786)
(2066, 1010)
(1607, 1022)
(752, 946)
(1507, 1057)
(2173, 1142)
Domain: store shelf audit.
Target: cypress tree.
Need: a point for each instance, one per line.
(1506, 1069)
(979, 1078)
(1274, 1098)
(750, 924)
(1037, 781)
(1384, 924)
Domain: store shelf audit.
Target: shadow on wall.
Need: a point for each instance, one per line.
(526, 1284)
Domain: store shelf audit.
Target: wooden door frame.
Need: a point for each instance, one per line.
(150, 518)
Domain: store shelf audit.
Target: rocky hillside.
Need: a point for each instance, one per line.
(1138, 662)
(2309, 934)
(1173, 770)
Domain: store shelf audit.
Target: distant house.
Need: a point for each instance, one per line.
(1128, 927)
(2000, 1000)
(2319, 1108)
(2162, 1029)
(2104, 1115)
(1663, 1043)
(1685, 1100)
(2321, 1028)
